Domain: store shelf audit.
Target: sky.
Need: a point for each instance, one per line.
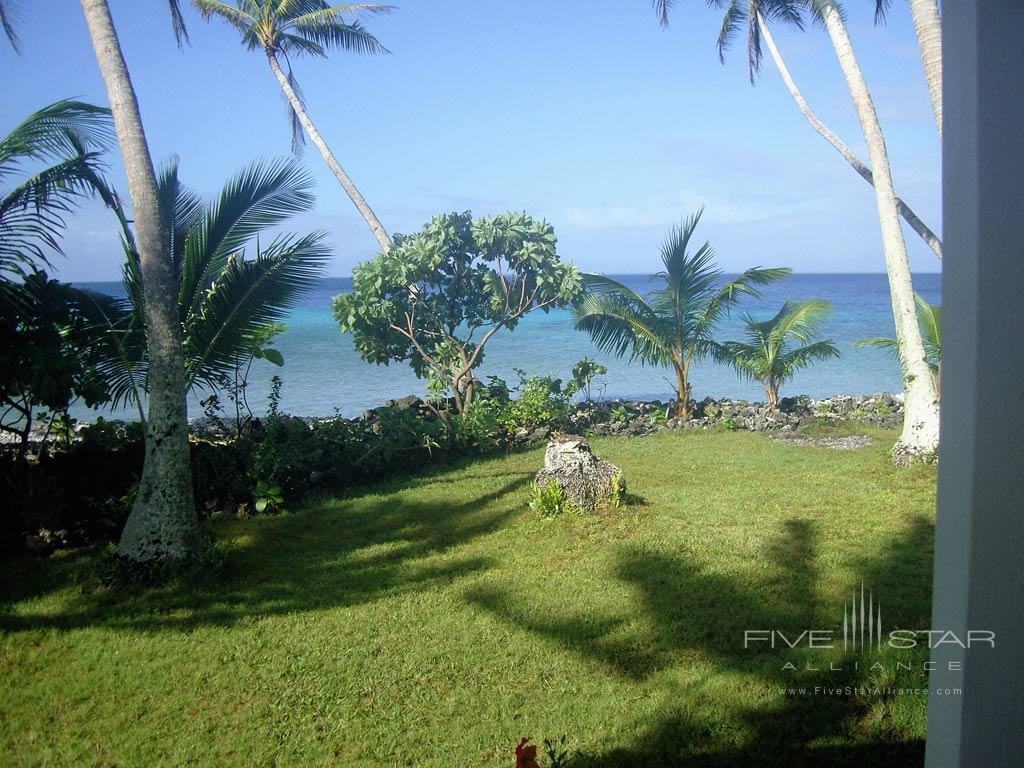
(588, 114)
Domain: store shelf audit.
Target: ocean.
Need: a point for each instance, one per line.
(324, 375)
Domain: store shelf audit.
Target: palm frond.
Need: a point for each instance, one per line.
(260, 196)
(729, 294)
(180, 208)
(881, 9)
(662, 8)
(32, 215)
(803, 320)
(732, 21)
(178, 24)
(807, 355)
(56, 132)
(236, 17)
(352, 37)
(8, 15)
(298, 133)
(621, 322)
(247, 296)
(878, 342)
(930, 318)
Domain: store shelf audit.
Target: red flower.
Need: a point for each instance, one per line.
(526, 755)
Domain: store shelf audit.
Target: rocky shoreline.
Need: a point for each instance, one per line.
(635, 418)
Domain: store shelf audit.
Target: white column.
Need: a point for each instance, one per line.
(979, 538)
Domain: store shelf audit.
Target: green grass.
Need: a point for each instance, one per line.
(436, 620)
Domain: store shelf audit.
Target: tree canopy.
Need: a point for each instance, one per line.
(438, 297)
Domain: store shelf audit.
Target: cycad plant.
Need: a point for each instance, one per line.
(929, 318)
(672, 326)
(775, 349)
(225, 300)
(282, 29)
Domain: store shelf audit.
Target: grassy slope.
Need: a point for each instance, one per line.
(435, 621)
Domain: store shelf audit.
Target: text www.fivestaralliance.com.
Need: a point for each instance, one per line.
(856, 691)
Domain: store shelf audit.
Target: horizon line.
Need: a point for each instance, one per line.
(621, 274)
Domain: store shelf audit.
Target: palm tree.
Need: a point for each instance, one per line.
(929, 317)
(755, 15)
(224, 300)
(767, 356)
(921, 424)
(920, 435)
(928, 27)
(162, 524)
(286, 28)
(68, 139)
(673, 325)
(923, 230)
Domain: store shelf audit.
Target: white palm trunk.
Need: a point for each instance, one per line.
(920, 435)
(162, 524)
(332, 162)
(928, 25)
(922, 229)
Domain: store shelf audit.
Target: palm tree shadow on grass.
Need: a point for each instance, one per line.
(322, 557)
(696, 610)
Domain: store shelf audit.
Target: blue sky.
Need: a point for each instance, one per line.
(588, 114)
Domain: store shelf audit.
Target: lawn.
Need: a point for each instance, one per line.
(435, 620)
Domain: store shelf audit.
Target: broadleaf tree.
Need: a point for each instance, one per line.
(436, 298)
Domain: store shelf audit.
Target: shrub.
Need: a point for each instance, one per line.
(583, 374)
(541, 403)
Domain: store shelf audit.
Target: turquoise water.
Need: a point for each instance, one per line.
(323, 373)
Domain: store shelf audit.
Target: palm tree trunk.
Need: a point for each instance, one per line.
(928, 25)
(339, 173)
(906, 212)
(920, 435)
(162, 524)
(683, 410)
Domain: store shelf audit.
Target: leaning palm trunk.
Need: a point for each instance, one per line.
(908, 215)
(162, 523)
(928, 25)
(332, 162)
(920, 435)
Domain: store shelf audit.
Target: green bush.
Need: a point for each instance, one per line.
(541, 403)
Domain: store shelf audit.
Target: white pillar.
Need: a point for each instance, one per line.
(979, 537)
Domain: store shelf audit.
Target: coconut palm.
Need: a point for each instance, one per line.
(755, 16)
(928, 27)
(920, 433)
(287, 28)
(769, 356)
(225, 301)
(68, 139)
(929, 317)
(672, 326)
(162, 524)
